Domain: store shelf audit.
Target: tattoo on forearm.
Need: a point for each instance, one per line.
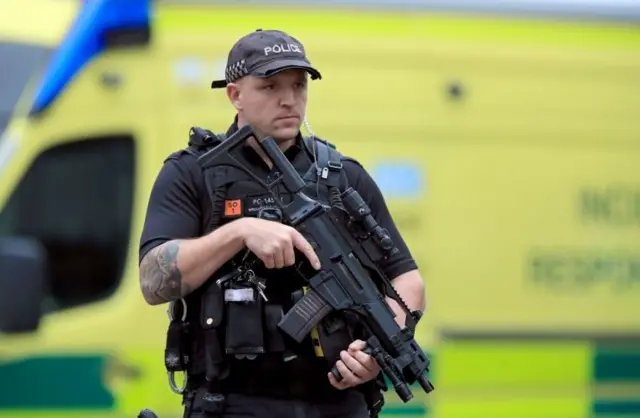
(160, 277)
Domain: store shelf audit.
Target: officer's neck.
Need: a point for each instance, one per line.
(253, 143)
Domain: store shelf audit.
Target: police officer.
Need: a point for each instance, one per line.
(186, 243)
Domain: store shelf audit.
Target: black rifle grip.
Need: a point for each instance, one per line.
(336, 373)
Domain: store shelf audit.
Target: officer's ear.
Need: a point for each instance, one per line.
(233, 93)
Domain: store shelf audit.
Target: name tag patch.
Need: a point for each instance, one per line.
(253, 205)
(259, 206)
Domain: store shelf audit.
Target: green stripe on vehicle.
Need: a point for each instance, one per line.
(400, 410)
(616, 379)
(55, 382)
(619, 364)
(619, 408)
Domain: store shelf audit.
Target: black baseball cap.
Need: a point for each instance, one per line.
(263, 53)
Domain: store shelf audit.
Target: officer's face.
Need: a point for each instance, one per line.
(275, 105)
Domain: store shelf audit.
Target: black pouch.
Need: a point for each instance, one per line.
(245, 328)
(212, 307)
(211, 317)
(275, 340)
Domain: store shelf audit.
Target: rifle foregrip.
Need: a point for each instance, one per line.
(336, 373)
(304, 315)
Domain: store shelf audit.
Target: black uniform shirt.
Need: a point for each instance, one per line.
(178, 204)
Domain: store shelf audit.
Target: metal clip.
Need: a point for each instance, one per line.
(261, 291)
(230, 276)
(172, 383)
(171, 306)
(257, 282)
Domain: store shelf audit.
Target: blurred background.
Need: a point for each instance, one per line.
(505, 136)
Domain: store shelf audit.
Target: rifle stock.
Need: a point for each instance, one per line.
(349, 244)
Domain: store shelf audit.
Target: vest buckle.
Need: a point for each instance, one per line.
(334, 166)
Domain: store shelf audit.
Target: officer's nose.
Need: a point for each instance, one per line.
(288, 97)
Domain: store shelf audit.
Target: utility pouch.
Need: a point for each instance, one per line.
(211, 316)
(212, 307)
(275, 340)
(244, 313)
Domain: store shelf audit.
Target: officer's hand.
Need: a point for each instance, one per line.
(355, 366)
(274, 243)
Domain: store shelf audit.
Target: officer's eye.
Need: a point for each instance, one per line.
(268, 87)
(301, 85)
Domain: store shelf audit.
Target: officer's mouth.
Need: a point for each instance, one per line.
(288, 118)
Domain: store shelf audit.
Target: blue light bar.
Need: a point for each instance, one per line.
(84, 41)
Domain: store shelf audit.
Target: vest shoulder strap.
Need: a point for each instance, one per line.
(327, 162)
(202, 140)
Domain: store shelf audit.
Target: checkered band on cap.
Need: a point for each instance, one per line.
(236, 71)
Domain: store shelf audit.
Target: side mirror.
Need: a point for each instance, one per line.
(23, 277)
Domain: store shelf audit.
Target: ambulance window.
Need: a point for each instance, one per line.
(18, 63)
(77, 200)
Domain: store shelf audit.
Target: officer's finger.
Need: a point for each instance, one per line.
(366, 360)
(338, 385)
(289, 256)
(348, 378)
(303, 245)
(269, 261)
(357, 368)
(278, 259)
(342, 384)
(357, 345)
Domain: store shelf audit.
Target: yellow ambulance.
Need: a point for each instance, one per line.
(508, 150)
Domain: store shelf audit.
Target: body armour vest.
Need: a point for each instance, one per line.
(236, 312)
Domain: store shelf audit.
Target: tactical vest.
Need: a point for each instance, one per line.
(201, 340)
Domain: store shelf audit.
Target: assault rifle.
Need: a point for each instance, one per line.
(349, 243)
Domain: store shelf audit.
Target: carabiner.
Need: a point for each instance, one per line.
(170, 307)
(172, 383)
